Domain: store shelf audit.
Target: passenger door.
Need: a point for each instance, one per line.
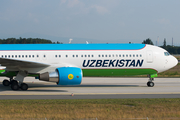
(149, 56)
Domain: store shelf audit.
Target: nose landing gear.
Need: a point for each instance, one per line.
(150, 83)
(151, 78)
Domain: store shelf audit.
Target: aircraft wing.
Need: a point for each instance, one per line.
(9, 62)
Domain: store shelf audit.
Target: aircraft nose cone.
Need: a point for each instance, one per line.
(174, 62)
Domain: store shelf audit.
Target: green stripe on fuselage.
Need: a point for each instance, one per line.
(8, 74)
(1, 71)
(116, 72)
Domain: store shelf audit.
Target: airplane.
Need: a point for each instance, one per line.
(67, 64)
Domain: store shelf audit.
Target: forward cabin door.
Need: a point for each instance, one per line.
(149, 57)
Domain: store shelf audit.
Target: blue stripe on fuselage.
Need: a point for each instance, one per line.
(71, 46)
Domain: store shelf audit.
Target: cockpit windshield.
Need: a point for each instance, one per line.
(166, 54)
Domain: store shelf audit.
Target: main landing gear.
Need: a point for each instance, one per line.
(18, 83)
(15, 84)
(150, 83)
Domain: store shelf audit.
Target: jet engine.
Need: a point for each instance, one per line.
(63, 76)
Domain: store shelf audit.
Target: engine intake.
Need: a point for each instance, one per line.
(63, 76)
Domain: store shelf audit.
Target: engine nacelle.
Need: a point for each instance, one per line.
(63, 76)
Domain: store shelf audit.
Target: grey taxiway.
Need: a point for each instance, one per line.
(96, 88)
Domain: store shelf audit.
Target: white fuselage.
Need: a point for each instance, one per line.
(153, 58)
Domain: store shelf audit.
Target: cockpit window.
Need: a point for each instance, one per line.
(166, 54)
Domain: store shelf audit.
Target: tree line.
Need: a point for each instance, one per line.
(169, 48)
(27, 41)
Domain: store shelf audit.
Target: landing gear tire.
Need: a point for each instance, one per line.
(150, 84)
(6, 82)
(24, 86)
(13, 82)
(14, 86)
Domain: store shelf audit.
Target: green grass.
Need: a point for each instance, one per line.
(103, 109)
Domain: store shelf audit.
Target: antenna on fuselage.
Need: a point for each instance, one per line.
(87, 42)
(70, 40)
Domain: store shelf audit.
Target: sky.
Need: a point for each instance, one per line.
(96, 21)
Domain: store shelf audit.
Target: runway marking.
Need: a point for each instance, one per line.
(89, 93)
